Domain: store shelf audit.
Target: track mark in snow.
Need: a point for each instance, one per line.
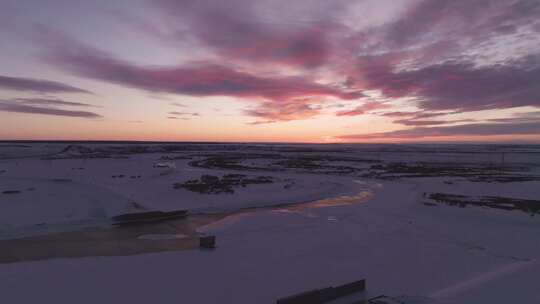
(482, 279)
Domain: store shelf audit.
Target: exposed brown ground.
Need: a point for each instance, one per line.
(114, 241)
(125, 240)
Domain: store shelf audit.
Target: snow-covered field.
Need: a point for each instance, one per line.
(386, 213)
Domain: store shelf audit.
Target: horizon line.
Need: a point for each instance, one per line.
(97, 141)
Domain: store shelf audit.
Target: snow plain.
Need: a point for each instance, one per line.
(380, 227)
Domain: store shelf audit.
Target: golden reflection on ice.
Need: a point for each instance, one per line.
(361, 197)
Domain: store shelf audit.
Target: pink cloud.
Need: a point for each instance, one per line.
(431, 54)
(364, 109)
(197, 79)
(270, 112)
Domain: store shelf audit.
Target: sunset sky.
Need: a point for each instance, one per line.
(270, 70)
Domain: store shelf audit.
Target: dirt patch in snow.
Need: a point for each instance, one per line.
(117, 241)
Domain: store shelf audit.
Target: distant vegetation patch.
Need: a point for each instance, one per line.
(531, 207)
(478, 173)
(232, 161)
(322, 164)
(319, 164)
(62, 180)
(174, 157)
(210, 184)
(11, 192)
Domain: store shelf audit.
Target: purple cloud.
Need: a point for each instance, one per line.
(51, 102)
(447, 55)
(461, 85)
(444, 57)
(174, 118)
(531, 128)
(239, 29)
(398, 114)
(37, 85)
(183, 113)
(416, 122)
(198, 79)
(519, 118)
(15, 107)
(177, 104)
(461, 19)
(412, 122)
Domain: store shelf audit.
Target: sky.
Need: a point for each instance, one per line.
(270, 70)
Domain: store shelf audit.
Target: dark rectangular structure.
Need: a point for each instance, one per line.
(148, 217)
(321, 296)
(207, 242)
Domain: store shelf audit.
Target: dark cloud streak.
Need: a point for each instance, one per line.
(51, 102)
(37, 85)
(14, 107)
